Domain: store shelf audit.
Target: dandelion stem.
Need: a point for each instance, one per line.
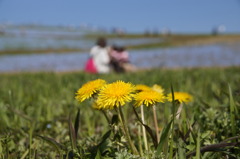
(140, 140)
(179, 111)
(143, 129)
(156, 123)
(104, 113)
(126, 131)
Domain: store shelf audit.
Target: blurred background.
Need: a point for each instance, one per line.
(57, 35)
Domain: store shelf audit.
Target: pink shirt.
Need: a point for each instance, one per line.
(119, 56)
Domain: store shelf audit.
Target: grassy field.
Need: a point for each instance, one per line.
(40, 117)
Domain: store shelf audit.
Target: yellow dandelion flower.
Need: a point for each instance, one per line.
(148, 98)
(89, 89)
(181, 97)
(115, 94)
(142, 87)
(158, 88)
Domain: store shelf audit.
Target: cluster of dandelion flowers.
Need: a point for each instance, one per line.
(181, 97)
(115, 94)
(89, 89)
(148, 98)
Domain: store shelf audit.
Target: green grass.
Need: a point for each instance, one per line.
(39, 51)
(39, 112)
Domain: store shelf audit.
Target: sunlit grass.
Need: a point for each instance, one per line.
(40, 116)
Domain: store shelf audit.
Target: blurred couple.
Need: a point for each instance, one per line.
(104, 59)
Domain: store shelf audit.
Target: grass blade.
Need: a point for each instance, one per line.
(181, 149)
(20, 113)
(72, 133)
(173, 122)
(149, 130)
(25, 154)
(77, 123)
(164, 137)
(105, 137)
(233, 110)
(54, 143)
(220, 147)
(96, 150)
(198, 153)
(115, 120)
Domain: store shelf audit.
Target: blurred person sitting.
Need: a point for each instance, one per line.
(120, 60)
(100, 55)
